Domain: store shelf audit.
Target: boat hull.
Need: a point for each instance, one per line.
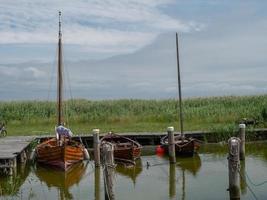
(186, 147)
(60, 156)
(127, 154)
(125, 149)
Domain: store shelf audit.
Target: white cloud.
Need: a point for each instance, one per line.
(36, 73)
(7, 72)
(103, 25)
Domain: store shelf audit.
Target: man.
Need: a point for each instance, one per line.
(63, 131)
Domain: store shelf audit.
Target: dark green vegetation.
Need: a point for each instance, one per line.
(217, 114)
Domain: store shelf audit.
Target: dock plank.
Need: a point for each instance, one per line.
(10, 146)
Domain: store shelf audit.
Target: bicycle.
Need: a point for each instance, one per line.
(3, 131)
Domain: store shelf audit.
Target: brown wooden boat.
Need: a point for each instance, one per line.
(125, 149)
(61, 151)
(61, 156)
(187, 146)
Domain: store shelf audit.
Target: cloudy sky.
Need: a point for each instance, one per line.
(126, 48)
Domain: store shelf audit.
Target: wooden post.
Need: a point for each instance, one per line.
(242, 136)
(171, 143)
(172, 181)
(233, 167)
(97, 183)
(23, 157)
(108, 166)
(96, 147)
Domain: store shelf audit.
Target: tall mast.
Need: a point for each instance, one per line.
(59, 79)
(179, 90)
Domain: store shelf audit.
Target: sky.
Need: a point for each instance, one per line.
(117, 49)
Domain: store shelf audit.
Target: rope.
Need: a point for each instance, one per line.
(148, 165)
(250, 189)
(51, 73)
(67, 88)
(256, 185)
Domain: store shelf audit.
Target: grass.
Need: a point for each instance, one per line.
(219, 114)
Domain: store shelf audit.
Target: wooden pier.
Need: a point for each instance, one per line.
(12, 151)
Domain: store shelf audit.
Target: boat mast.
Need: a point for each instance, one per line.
(59, 79)
(179, 90)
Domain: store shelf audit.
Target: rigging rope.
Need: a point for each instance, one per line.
(68, 87)
(51, 72)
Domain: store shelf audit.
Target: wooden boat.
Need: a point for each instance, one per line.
(60, 156)
(183, 145)
(60, 152)
(125, 149)
(186, 146)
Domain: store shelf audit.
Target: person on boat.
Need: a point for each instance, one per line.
(63, 131)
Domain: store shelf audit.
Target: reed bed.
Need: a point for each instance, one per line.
(209, 114)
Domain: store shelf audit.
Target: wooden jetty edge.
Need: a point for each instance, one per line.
(13, 150)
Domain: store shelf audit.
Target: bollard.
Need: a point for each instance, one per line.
(171, 143)
(108, 166)
(242, 136)
(96, 147)
(233, 167)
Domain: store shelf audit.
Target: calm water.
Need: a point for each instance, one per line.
(204, 176)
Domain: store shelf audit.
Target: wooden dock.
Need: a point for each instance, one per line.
(12, 151)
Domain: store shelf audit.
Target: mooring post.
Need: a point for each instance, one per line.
(242, 136)
(233, 167)
(96, 147)
(108, 166)
(171, 143)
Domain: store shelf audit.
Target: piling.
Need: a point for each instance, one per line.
(171, 143)
(23, 156)
(108, 166)
(242, 136)
(96, 147)
(233, 167)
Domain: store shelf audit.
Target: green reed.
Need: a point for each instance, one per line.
(213, 113)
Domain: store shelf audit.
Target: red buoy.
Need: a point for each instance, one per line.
(159, 150)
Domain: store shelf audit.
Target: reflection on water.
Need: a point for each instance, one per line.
(205, 176)
(172, 181)
(243, 179)
(60, 179)
(97, 183)
(10, 185)
(131, 171)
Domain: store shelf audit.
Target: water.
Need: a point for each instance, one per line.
(205, 176)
